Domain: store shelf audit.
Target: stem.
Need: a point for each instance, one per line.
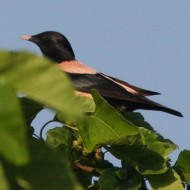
(87, 169)
(41, 131)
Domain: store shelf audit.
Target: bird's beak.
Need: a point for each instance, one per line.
(26, 37)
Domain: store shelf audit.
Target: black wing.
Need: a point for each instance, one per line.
(106, 87)
(115, 94)
(142, 91)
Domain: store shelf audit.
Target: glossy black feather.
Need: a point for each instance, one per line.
(107, 88)
(116, 95)
(54, 46)
(139, 90)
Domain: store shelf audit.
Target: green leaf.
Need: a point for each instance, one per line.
(137, 119)
(182, 166)
(157, 143)
(3, 181)
(105, 126)
(140, 157)
(130, 179)
(30, 109)
(47, 170)
(13, 142)
(83, 177)
(59, 136)
(166, 181)
(152, 140)
(108, 180)
(61, 139)
(41, 80)
(87, 103)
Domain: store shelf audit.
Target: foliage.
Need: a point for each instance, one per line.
(68, 157)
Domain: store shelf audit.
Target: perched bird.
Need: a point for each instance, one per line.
(117, 93)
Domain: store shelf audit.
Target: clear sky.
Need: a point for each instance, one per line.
(144, 42)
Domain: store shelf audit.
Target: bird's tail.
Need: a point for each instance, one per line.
(141, 102)
(148, 104)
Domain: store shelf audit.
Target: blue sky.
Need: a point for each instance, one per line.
(144, 42)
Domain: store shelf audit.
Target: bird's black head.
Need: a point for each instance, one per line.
(53, 45)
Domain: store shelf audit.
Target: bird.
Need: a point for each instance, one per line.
(118, 93)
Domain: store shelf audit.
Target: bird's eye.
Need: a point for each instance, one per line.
(44, 38)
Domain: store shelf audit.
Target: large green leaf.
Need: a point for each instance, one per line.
(47, 170)
(48, 166)
(40, 80)
(140, 157)
(105, 126)
(157, 143)
(130, 179)
(87, 103)
(152, 140)
(87, 106)
(3, 181)
(108, 180)
(30, 109)
(13, 142)
(137, 119)
(182, 165)
(166, 181)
